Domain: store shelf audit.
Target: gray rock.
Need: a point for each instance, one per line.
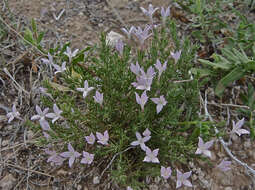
(96, 180)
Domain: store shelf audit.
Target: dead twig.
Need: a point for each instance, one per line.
(113, 158)
(229, 105)
(17, 84)
(26, 169)
(182, 81)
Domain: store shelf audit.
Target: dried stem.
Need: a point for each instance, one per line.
(113, 158)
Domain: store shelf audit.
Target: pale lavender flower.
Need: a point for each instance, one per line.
(142, 35)
(40, 114)
(147, 132)
(48, 61)
(136, 69)
(70, 54)
(103, 139)
(129, 188)
(160, 68)
(203, 147)
(54, 157)
(149, 74)
(44, 124)
(141, 100)
(87, 158)
(151, 156)
(165, 172)
(120, 46)
(182, 179)
(128, 32)
(161, 102)
(56, 115)
(142, 84)
(90, 139)
(71, 154)
(140, 141)
(144, 80)
(224, 165)
(176, 55)
(60, 69)
(99, 98)
(86, 89)
(151, 10)
(165, 14)
(237, 128)
(13, 114)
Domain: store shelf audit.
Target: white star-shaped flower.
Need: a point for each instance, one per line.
(140, 141)
(56, 115)
(86, 89)
(203, 147)
(151, 156)
(237, 128)
(160, 103)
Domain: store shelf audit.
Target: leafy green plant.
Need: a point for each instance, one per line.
(235, 65)
(109, 73)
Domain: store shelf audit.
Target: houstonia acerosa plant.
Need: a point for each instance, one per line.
(130, 108)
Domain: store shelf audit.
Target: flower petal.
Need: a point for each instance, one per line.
(71, 161)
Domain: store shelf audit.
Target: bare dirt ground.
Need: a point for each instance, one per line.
(22, 163)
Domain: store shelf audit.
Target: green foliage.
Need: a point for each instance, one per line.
(34, 37)
(235, 65)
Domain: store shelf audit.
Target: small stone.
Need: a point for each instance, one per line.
(9, 127)
(101, 25)
(194, 177)
(30, 135)
(8, 182)
(79, 187)
(62, 172)
(153, 187)
(5, 142)
(247, 144)
(113, 37)
(81, 13)
(228, 188)
(96, 180)
(213, 156)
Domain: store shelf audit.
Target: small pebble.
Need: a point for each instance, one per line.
(247, 144)
(96, 180)
(5, 142)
